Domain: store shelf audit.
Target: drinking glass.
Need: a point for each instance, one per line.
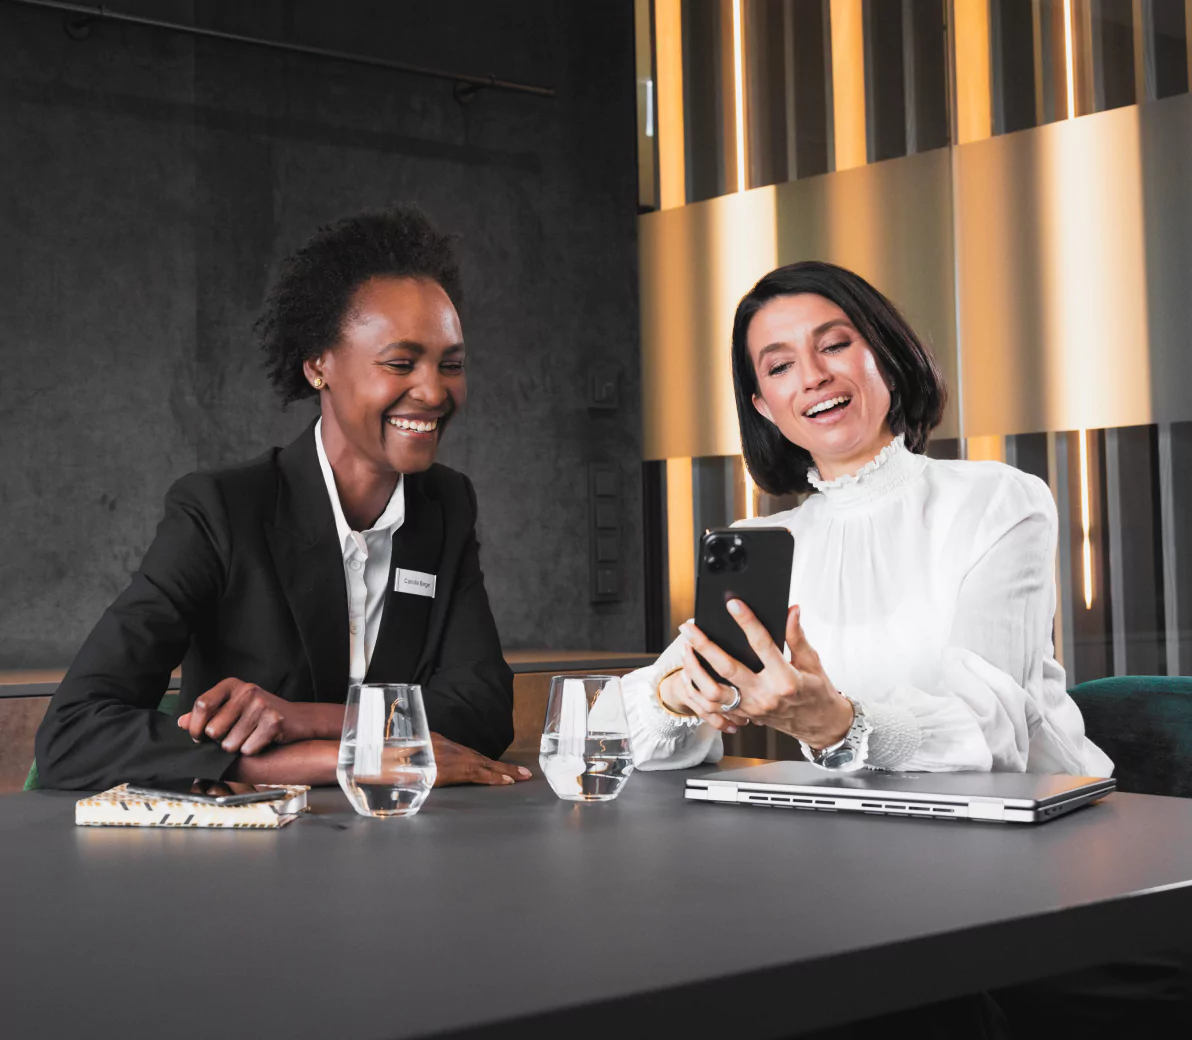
(585, 753)
(386, 763)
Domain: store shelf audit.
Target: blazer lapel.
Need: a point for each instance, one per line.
(302, 541)
(417, 546)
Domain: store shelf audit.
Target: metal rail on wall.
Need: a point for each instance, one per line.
(466, 85)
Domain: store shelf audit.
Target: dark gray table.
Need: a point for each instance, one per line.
(502, 912)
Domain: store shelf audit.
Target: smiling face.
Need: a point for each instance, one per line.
(819, 382)
(395, 376)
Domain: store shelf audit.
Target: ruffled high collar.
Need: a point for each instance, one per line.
(890, 468)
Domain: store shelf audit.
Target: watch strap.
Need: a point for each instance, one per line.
(851, 752)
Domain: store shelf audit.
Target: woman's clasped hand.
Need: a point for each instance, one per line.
(796, 696)
(246, 719)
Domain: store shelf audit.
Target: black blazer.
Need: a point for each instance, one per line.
(245, 578)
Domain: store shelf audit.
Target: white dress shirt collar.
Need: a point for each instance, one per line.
(887, 471)
(367, 556)
(389, 520)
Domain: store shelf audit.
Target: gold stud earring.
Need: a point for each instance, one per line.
(318, 383)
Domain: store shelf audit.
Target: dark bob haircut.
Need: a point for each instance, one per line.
(917, 389)
(305, 310)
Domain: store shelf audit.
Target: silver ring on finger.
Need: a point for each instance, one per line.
(736, 701)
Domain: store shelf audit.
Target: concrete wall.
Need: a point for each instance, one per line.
(151, 184)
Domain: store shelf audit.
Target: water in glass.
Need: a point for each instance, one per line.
(585, 753)
(386, 763)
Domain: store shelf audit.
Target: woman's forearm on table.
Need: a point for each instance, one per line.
(305, 762)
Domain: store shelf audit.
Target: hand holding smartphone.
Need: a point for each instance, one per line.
(752, 564)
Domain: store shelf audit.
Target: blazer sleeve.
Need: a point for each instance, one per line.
(474, 685)
(102, 726)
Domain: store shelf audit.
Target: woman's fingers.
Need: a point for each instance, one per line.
(755, 632)
(224, 721)
(705, 693)
(458, 764)
(244, 726)
(726, 666)
(268, 730)
(206, 705)
(498, 773)
(803, 655)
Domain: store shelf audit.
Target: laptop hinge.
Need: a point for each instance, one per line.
(987, 809)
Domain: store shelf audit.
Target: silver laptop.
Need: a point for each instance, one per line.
(995, 797)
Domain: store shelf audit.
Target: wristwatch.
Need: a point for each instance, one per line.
(848, 754)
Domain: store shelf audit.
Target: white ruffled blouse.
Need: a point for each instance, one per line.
(928, 589)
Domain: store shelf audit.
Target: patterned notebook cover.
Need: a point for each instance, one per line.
(117, 808)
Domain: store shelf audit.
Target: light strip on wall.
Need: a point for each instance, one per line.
(739, 92)
(739, 111)
(1086, 520)
(1085, 517)
(668, 75)
(1068, 59)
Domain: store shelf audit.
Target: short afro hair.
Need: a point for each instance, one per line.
(305, 309)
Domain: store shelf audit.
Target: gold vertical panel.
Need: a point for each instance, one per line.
(1083, 56)
(1071, 240)
(668, 67)
(740, 121)
(1144, 36)
(1188, 35)
(696, 263)
(985, 449)
(1058, 39)
(974, 108)
(726, 45)
(889, 221)
(1039, 43)
(848, 82)
(680, 540)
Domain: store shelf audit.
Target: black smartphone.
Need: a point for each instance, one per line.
(209, 792)
(752, 564)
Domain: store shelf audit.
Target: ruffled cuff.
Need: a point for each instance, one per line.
(893, 739)
(655, 717)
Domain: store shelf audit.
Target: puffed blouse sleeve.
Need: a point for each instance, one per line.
(661, 740)
(998, 701)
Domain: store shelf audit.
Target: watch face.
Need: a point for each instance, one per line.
(842, 756)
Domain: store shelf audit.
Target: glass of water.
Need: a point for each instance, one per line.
(386, 762)
(585, 754)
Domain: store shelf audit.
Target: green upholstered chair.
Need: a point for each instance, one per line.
(1144, 723)
(168, 706)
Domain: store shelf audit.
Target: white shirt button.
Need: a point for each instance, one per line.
(354, 628)
(356, 565)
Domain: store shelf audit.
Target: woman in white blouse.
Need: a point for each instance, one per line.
(922, 592)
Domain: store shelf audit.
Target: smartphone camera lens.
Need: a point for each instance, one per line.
(716, 553)
(725, 553)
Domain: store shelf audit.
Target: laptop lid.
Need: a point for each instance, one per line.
(1016, 790)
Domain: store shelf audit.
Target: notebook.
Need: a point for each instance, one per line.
(119, 808)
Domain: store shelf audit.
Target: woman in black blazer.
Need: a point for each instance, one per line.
(268, 581)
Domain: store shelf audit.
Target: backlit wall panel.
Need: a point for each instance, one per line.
(1074, 245)
(890, 221)
(1068, 306)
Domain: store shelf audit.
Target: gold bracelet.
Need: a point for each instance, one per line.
(666, 707)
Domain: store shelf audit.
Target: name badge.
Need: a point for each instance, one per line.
(416, 583)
